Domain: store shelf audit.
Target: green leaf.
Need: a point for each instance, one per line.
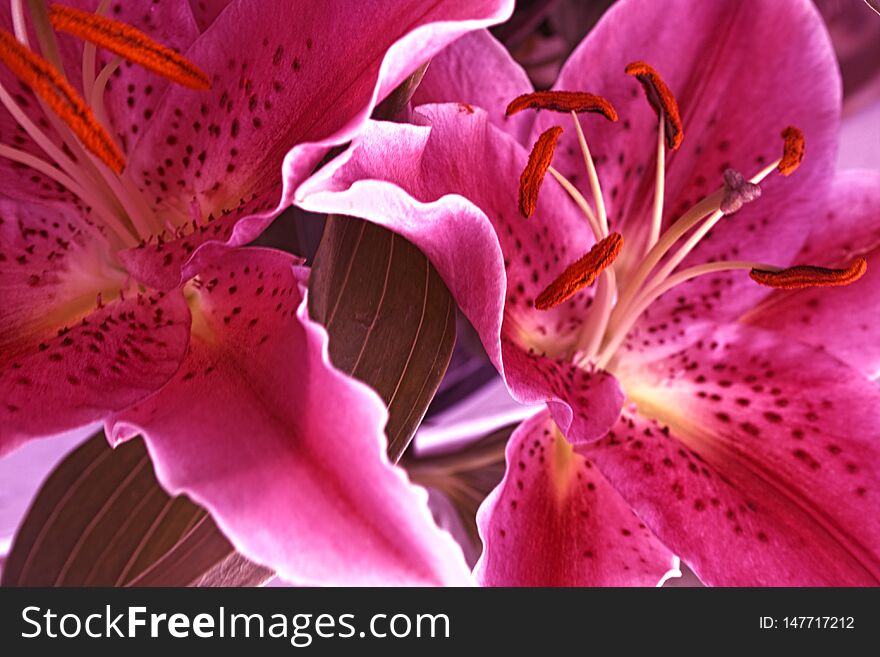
(101, 519)
(390, 317)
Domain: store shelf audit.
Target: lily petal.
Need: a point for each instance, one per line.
(412, 180)
(755, 459)
(278, 97)
(555, 521)
(738, 71)
(51, 272)
(295, 484)
(841, 320)
(112, 358)
(206, 11)
(459, 74)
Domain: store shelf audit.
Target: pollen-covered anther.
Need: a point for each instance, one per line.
(792, 150)
(61, 98)
(804, 276)
(661, 99)
(130, 43)
(533, 175)
(582, 273)
(563, 101)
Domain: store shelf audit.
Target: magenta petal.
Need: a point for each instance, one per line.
(430, 184)
(206, 11)
(755, 459)
(291, 80)
(478, 70)
(739, 72)
(414, 180)
(841, 320)
(585, 404)
(112, 358)
(51, 272)
(555, 521)
(251, 428)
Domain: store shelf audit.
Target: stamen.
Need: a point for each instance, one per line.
(581, 273)
(563, 101)
(737, 192)
(49, 85)
(581, 202)
(661, 99)
(804, 276)
(130, 43)
(533, 175)
(792, 151)
(592, 175)
(659, 188)
(18, 23)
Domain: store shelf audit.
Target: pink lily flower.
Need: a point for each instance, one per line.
(703, 398)
(126, 191)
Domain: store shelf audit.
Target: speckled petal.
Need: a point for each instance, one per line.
(290, 81)
(842, 320)
(755, 459)
(251, 428)
(555, 521)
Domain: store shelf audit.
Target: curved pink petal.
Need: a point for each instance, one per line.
(755, 459)
(739, 72)
(584, 403)
(842, 320)
(51, 271)
(478, 70)
(412, 180)
(111, 358)
(290, 81)
(251, 428)
(555, 521)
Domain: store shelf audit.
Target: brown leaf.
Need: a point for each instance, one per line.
(390, 317)
(465, 476)
(101, 519)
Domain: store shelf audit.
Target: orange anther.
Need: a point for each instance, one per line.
(792, 151)
(581, 273)
(803, 276)
(563, 101)
(661, 99)
(130, 43)
(61, 98)
(533, 175)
